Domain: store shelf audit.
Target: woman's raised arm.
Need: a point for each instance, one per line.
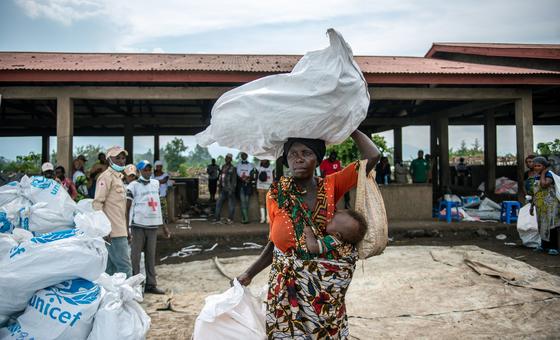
(367, 149)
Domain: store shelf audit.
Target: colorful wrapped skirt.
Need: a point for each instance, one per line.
(306, 298)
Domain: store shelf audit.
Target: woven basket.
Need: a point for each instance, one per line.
(370, 204)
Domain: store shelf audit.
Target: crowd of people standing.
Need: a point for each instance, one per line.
(134, 199)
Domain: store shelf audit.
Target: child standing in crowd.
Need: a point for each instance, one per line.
(264, 180)
(66, 182)
(144, 199)
(80, 180)
(546, 205)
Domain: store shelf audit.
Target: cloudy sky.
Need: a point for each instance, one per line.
(387, 27)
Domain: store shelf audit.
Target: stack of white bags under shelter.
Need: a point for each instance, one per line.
(52, 263)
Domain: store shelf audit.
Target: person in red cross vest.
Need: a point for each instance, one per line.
(144, 205)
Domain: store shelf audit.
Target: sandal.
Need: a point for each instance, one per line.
(552, 252)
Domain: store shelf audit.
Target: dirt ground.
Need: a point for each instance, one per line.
(401, 233)
(189, 279)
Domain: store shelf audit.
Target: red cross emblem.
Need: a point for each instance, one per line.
(153, 204)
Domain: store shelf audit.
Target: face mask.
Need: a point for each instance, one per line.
(115, 167)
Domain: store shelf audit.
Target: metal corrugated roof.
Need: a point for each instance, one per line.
(538, 51)
(40, 61)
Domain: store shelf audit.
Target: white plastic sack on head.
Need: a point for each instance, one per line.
(120, 316)
(325, 96)
(9, 192)
(40, 219)
(63, 311)
(369, 203)
(528, 227)
(40, 189)
(47, 260)
(234, 314)
(11, 214)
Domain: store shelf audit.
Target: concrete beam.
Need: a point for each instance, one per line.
(442, 93)
(64, 132)
(490, 152)
(397, 142)
(45, 148)
(524, 136)
(113, 92)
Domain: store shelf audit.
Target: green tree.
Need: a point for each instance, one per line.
(476, 146)
(30, 164)
(149, 155)
(549, 148)
(199, 157)
(173, 154)
(347, 151)
(91, 152)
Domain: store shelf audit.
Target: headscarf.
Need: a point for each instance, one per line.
(316, 145)
(540, 160)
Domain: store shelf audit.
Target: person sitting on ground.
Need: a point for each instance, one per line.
(47, 170)
(66, 182)
(346, 229)
(143, 197)
(547, 206)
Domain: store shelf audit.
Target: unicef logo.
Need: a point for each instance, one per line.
(75, 292)
(54, 236)
(41, 182)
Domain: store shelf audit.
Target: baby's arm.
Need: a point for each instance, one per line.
(311, 240)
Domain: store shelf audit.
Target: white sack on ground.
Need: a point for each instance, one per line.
(63, 311)
(10, 214)
(120, 317)
(528, 227)
(41, 219)
(52, 258)
(40, 189)
(9, 192)
(325, 96)
(235, 314)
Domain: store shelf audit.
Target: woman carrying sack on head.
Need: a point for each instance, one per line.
(306, 296)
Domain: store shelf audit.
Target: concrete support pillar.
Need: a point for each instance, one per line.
(443, 137)
(156, 148)
(397, 141)
(64, 132)
(129, 143)
(45, 148)
(434, 151)
(524, 136)
(490, 152)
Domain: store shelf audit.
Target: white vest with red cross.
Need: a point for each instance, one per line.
(146, 207)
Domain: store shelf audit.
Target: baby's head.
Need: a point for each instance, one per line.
(348, 226)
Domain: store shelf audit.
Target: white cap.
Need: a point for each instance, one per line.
(156, 163)
(47, 166)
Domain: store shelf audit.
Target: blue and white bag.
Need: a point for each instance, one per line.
(40, 189)
(52, 258)
(9, 192)
(63, 311)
